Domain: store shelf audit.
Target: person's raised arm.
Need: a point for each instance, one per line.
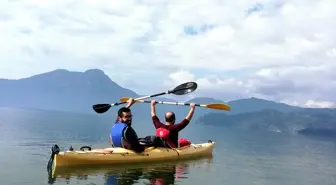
(153, 112)
(179, 126)
(156, 121)
(191, 112)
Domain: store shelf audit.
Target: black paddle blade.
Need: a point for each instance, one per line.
(101, 108)
(185, 88)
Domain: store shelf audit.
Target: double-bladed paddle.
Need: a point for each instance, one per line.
(182, 89)
(218, 106)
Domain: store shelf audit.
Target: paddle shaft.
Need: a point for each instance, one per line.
(144, 97)
(173, 103)
(182, 89)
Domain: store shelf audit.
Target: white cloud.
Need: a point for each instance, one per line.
(284, 51)
(320, 104)
(293, 86)
(210, 86)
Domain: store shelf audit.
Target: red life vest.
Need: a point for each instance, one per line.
(163, 133)
(184, 142)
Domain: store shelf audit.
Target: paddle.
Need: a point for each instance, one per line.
(218, 106)
(182, 89)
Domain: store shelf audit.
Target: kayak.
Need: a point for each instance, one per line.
(124, 156)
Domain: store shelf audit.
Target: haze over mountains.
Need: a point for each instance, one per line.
(63, 90)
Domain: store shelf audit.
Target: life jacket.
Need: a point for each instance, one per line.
(117, 132)
(163, 133)
(183, 142)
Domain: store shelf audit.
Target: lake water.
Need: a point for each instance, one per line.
(239, 157)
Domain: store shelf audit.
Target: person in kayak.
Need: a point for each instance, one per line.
(169, 131)
(122, 134)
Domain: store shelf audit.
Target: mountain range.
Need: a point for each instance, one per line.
(70, 91)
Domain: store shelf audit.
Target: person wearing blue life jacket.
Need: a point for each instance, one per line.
(122, 134)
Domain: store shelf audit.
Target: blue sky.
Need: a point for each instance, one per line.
(278, 50)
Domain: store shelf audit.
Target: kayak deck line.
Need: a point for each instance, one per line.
(111, 150)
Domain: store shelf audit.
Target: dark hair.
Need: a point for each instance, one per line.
(171, 118)
(123, 109)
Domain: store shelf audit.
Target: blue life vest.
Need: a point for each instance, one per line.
(117, 132)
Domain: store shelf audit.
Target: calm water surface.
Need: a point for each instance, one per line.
(240, 157)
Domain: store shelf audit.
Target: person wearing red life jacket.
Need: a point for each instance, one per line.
(169, 131)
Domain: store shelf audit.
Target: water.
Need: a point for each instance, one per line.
(240, 157)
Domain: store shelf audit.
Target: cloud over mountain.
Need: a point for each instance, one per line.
(282, 50)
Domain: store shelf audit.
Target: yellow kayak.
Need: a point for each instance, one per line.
(124, 156)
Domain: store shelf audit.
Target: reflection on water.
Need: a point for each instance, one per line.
(164, 173)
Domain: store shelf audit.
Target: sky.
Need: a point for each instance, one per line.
(280, 50)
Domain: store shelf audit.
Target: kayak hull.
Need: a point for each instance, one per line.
(124, 156)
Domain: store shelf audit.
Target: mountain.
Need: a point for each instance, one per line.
(71, 91)
(255, 104)
(200, 111)
(303, 121)
(264, 115)
(61, 90)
